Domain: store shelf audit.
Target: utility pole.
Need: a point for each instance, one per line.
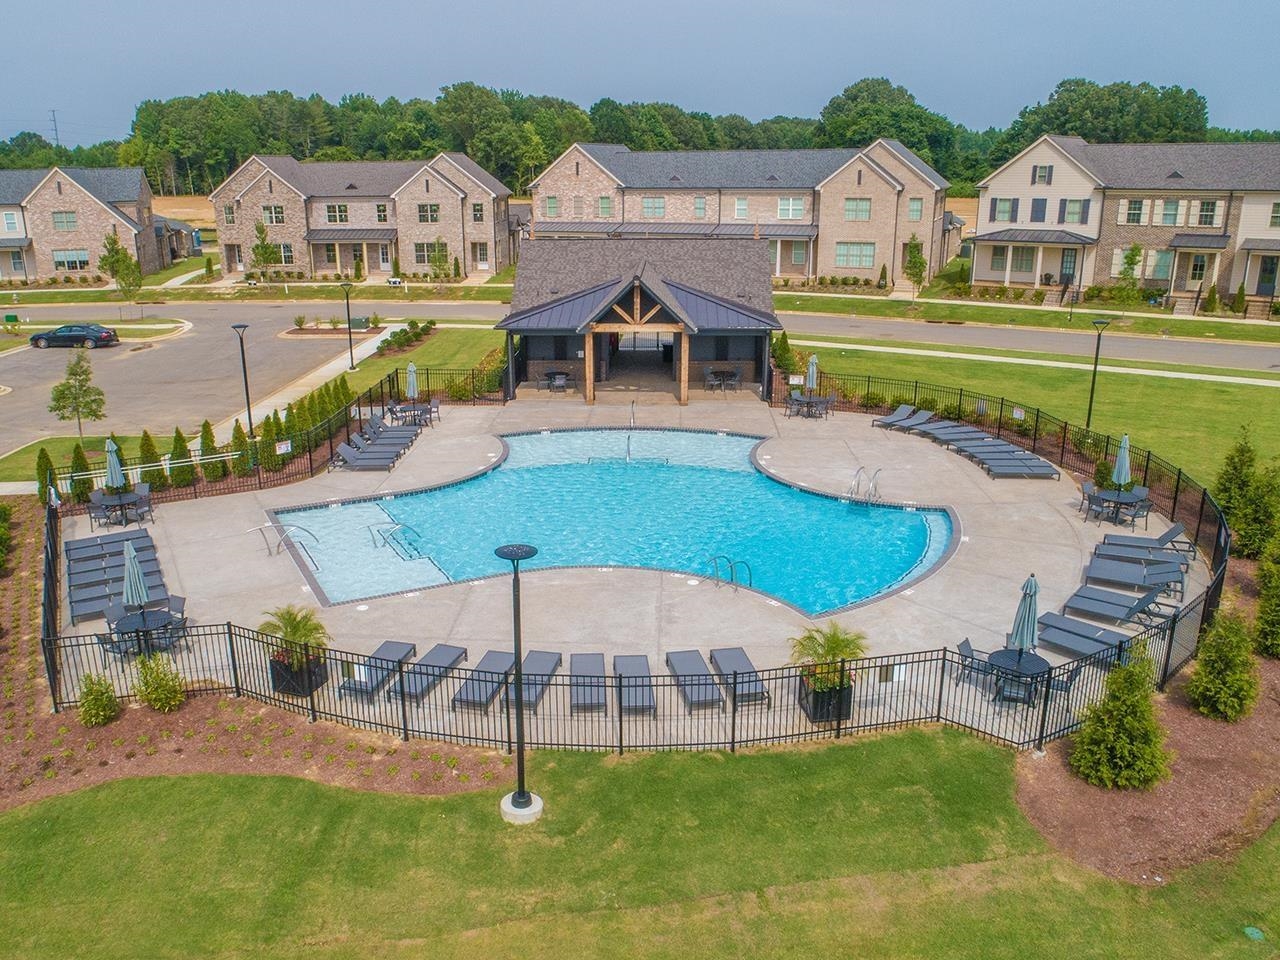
(53, 115)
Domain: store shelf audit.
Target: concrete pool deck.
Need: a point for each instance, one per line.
(209, 553)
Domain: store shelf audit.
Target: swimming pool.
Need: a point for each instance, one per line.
(661, 499)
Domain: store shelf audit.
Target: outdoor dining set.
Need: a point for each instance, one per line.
(722, 380)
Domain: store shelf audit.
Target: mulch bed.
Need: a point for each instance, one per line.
(1224, 792)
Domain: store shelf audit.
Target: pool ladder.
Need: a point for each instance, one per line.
(286, 531)
(731, 566)
(873, 488)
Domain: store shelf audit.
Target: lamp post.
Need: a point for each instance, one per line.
(520, 806)
(240, 328)
(1099, 324)
(346, 295)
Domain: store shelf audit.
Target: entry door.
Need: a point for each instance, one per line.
(480, 255)
(1067, 272)
(384, 256)
(1267, 276)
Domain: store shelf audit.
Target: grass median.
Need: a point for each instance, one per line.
(443, 349)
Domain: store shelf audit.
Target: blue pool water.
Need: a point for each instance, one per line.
(660, 499)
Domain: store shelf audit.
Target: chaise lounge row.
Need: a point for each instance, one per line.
(999, 458)
(378, 447)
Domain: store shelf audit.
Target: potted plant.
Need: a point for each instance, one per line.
(297, 660)
(826, 686)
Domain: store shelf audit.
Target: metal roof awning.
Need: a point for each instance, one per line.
(1053, 237)
(14, 243)
(1264, 246)
(1199, 241)
(351, 235)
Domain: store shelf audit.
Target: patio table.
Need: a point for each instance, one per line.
(142, 624)
(1026, 665)
(121, 502)
(1117, 499)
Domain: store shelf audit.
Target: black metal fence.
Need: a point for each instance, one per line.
(620, 713)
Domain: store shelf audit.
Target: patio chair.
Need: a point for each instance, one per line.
(434, 408)
(917, 419)
(731, 381)
(1065, 684)
(1131, 515)
(485, 681)
(709, 379)
(1014, 690)
(1087, 489)
(693, 680)
(373, 673)
(588, 689)
(114, 611)
(535, 677)
(1140, 491)
(795, 404)
(99, 516)
(1175, 538)
(739, 676)
(1168, 576)
(973, 665)
(904, 411)
(117, 648)
(425, 675)
(1095, 506)
(1141, 554)
(352, 459)
(1103, 604)
(635, 685)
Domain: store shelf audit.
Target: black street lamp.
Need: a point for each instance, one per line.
(1099, 324)
(522, 799)
(346, 295)
(240, 328)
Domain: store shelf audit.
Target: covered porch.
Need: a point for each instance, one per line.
(1197, 262)
(17, 261)
(1260, 260)
(1031, 259)
(339, 250)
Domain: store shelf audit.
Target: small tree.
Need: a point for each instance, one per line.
(1256, 515)
(1225, 683)
(438, 258)
(213, 470)
(76, 398)
(82, 484)
(99, 704)
(44, 472)
(120, 266)
(457, 269)
(1211, 300)
(263, 254)
(1236, 474)
(1267, 625)
(267, 455)
(242, 462)
(155, 474)
(916, 266)
(395, 266)
(184, 474)
(1238, 303)
(129, 278)
(357, 271)
(1121, 742)
(208, 268)
(884, 276)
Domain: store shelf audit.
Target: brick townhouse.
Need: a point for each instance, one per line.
(327, 217)
(843, 212)
(1063, 212)
(53, 221)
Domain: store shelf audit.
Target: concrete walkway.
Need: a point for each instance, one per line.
(182, 278)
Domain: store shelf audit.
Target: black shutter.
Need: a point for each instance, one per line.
(1013, 211)
(992, 217)
(1034, 170)
(1048, 175)
(1062, 210)
(1084, 212)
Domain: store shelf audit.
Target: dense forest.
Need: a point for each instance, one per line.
(190, 144)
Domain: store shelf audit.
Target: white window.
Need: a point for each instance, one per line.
(857, 208)
(1162, 264)
(740, 208)
(15, 261)
(229, 214)
(1275, 216)
(335, 213)
(860, 255)
(653, 207)
(553, 207)
(477, 213)
(1024, 259)
(330, 253)
(999, 257)
(799, 253)
(11, 222)
(1133, 211)
(1208, 213)
(1004, 211)
(1073, 212)
(604, 207)
(381, 211)
(915, 208)
(1198, 262)
(699, 208)
(790, 208)
(1169, 213)
(428, 213)
(286, 254)
(273, 215)
(1043, 174)
(64, 219)
(71, 259)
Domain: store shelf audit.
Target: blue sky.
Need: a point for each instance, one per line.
(978, 62)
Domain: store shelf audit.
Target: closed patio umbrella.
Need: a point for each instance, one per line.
(411, 382)
(55, 500)
(1120, 474)
(136, 594)
(1023, 635)
(115, 473)
(811, 378)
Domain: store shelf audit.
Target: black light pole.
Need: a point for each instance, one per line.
(346, 295)
(1099, 324)
(515, 552)
(240, 328)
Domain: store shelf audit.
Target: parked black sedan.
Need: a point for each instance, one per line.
(87, 335)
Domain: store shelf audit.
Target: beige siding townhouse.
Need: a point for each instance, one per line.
(844, 212)
(53, 222)
(326, 218)
(1064, 212)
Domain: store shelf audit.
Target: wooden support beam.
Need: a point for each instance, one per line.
(684, 369)
(645, 318)
(622, 313)
(635, 309)
(589, 374)
(663, 327)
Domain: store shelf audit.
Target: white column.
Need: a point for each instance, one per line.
(1217, 261)
(1039, 263)
(777, 250)
(1008, 263)
(1244, 280)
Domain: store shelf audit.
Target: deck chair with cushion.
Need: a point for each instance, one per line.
(588, 689)
(1115, 551)
(1175, 538)
(1137, 576)
(739, 676)
(694, 681)
(485, 681)
(369, 676)
(352, 459)
(1130, 515)
(897, 416)
(535, 675)
(635, 685)
(427, 673)
(1103, 604)
(917, 419)
(1076, 636)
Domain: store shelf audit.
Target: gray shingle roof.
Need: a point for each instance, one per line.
(110, 185)
(909, 157)
(1266, 245)
(16, 184)
(1036, 236)
(480, 174)
(366, 178)
(1198, 166)
(736, 270)
(666, 228)
(719, 169)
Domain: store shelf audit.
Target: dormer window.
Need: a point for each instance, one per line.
(351, 186)
(1042, 174)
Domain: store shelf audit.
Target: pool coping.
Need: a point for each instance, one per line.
(905, 582)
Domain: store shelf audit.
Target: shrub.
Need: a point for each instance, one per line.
(1238, 303)
(395, 266)
(183, 475)
(1092, 293)
(1121, 742)
(1000, 292)
(334, 323)
(1257, 513)
(242, 462)
(783, 356)
(267, 436)
(1018, 294)
(963, 289)
(159, 683)
(208, 268)
(1211, 300)
(457, 268)
(300, 321)
(1236, 474)
(44, 470)
(927, 403)
(358, 271)
(1037, 297)
(872, 400)
(153, 475)
(822, 281)
(866, 281)
(6, 535)
(82, 485)
(884, 276)
(1225, 683)
(213, 470)
(98, 702)
(984, 293)
(1267, 625)
(300, 632)
(1102, 474)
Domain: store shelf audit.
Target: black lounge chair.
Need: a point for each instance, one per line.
(635, 684)
(693, 680)
(588, 689)
(380, 447)
(353, 459)
(919, 418)
(739, 676)
(379, 429)
(423, 677)
(1105, 604)
(1137, 576)
(1114, 551)
(535, 674)
(1175, 538)
(377, 668)
(897, 416)
(484, 681)
(1029, 470)
(1076, 636)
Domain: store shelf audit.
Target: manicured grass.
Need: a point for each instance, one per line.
(179, 268)
(444, 349)
(908, 845)
(21, 463)
(417, 290)
(1190, 423)
(957, 271)
(505, 275)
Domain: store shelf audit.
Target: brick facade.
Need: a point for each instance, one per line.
(1152, 236)
(576, 181)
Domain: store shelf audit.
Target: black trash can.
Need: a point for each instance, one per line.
(667, 350)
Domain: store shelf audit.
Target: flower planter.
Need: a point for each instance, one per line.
(825, 706)
(298, 683)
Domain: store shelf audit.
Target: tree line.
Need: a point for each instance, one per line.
(191, 144)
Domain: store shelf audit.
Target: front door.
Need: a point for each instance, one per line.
(1067, 272)
(1267, 276)
(384, 255)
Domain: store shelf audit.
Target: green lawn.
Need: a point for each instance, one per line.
(21, 463)
(417, 290)
(907, 845)
(445, 349)
(1191, 423)
(505, 275)
(179, 268)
